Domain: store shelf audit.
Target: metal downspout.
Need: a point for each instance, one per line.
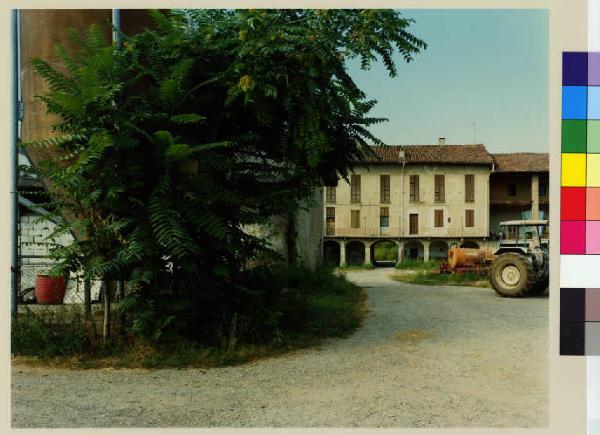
(14, 162)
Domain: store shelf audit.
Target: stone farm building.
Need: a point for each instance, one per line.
(425, 198)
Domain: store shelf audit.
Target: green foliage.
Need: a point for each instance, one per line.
(409, 263)
(51, 336)
(212, 121)
(385, 251)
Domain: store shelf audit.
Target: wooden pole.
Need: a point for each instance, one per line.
(120, 297)
(87, 298)
(106, 323)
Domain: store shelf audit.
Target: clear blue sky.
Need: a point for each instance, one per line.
(488, 67)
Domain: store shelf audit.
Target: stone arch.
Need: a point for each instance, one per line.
(384, 253)
(331, 253)
(414, 250)
(438, 250)
(469, 244)
(355, 253)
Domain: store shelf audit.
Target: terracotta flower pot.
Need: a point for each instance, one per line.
(50, 289)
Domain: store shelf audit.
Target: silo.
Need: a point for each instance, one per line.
(40, 31)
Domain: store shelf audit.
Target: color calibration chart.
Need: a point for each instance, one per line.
(580, 205)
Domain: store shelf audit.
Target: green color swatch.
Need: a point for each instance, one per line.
(574, 136)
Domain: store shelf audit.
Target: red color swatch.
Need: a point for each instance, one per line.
(572, 203)
(572, 237)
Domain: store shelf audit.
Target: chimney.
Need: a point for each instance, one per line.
(441, 141)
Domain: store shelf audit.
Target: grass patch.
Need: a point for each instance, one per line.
(408, 263)
(434, 278)
(355, 268)
(322, 305)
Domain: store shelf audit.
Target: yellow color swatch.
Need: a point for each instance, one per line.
(593, 170)
(574, 170)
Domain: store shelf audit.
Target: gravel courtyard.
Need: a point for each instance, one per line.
(425, 357)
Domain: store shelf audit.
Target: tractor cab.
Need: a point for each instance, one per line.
(523, 235)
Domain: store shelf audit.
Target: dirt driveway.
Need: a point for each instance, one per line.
(425, 357)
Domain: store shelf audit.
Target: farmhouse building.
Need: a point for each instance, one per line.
(425, 198)
(519, 187)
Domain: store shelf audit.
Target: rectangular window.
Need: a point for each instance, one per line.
(414, 188)
(413, 221)
(440, 188)
(330, 221)
(330, 194)
(469, 218)
(512, 189)
(384, 189)
(355, 218)
(543, 189)
(355, 188)
(384, 217)
(439, 218)
(469, 188)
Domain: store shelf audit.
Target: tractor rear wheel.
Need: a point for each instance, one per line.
(539, 287)
(511, 275)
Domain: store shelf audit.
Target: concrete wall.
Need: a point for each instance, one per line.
(400, 206)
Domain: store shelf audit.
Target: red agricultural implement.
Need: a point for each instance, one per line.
(461, 260)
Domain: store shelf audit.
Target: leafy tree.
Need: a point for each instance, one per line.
(212, 121)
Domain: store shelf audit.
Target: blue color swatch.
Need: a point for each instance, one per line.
(574, 102)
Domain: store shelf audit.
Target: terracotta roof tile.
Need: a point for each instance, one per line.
(521, 162)
(441, 154)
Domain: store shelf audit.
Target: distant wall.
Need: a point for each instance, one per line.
(309, 224)
(310, 232)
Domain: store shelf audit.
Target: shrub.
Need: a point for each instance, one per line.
(170, 145)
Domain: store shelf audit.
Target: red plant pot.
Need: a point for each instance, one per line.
(50, 289)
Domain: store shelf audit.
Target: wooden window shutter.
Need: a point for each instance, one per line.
(413, 224)
(414, 188)
(384, 217)
(384, 189)
(440, 193)
(439, 218)
(355, 188)
(355, 218)
(469, 218)
(330, 221)
(330, 197)
(469, 188)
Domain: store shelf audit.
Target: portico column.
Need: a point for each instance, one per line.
(535, 196)
(342, 253)
(367, 253)
(426, 244)
(400, 246)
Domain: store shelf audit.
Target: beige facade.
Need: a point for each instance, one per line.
(452, 206)
(423, 219)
